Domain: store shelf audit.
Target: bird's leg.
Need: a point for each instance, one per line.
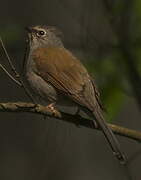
(54, 111)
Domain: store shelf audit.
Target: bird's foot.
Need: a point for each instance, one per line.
(53, 110)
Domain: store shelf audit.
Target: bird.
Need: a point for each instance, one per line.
(59, 78)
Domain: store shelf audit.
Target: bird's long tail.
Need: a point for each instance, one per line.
(114, 144)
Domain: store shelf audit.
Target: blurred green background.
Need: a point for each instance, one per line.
(106, 36)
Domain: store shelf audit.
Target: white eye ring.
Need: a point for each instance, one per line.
(41, 33)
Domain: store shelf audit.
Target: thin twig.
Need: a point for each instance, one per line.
(16, 73)
(10, 76)
(9, 60)
(75, 119)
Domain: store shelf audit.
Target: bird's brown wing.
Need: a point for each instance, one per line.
(65, 72)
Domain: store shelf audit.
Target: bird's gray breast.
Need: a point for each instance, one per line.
(40, 87)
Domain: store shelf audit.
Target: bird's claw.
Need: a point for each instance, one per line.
(54, 111)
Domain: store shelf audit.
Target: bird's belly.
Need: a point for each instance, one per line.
(46, 91)
(41, 88)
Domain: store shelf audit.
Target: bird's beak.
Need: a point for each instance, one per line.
(29, 29)
(29, 34)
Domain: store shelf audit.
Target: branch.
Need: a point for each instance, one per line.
(75, 119)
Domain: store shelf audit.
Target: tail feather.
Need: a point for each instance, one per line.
(115, 146)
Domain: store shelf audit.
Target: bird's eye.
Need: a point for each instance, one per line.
(41, 33)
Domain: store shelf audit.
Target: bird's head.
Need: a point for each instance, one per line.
(44, 36)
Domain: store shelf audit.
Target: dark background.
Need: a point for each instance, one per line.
(106, 36)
